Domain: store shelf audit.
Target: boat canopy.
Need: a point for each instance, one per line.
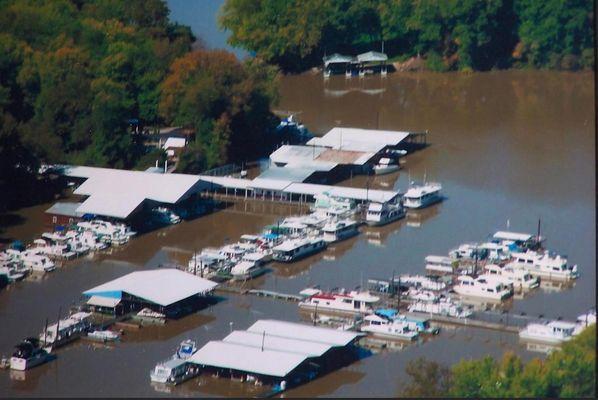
(372, 56)
(337, 58)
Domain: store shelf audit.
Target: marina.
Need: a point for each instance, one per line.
(351, 258)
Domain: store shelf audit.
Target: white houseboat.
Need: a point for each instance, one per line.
(385, 166)
(335, 231)
(66, 330)
(294, 249)
(383, 213)
(553, 332)
(37, 262)
(444, 307)
(440, 264)
(484, 286)
(341, 302)
(545, 265)
(177, 369)
(420, 196)
(388, 328)
(519, 278)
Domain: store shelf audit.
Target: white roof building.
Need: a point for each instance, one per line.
(161, 286)
(174, 143)
(118, 193)
(270, 347)
(356, 139)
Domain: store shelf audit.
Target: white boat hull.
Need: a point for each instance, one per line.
(482, 295)
(21, 364)
(386, 170)
(524, 335)
(390, 334)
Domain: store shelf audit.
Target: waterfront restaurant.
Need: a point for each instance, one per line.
(278, 353)
(167, 291)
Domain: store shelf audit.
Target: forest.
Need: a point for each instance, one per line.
(568, 372)
(78, 77)
(450, 35)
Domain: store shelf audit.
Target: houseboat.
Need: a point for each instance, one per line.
(66, 330)
(252, 265)
(545, 265)
(444, 307)
(177, 369)
(166, 216)
(440, 264)
(519, 278)
(484, 286)
(28, 354)
(385, 166)
(37, 262)
(524, 241)
(383, 213)
(553, 332)
(335, 231)
(420, 325)
(497, 252)
(420, 196)
(341, 302)
(389, 328)
(420, 282)
(294, 249)
(469, 251)
(149, 315)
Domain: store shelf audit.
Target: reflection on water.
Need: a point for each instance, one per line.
(540, 347)
(498, 146)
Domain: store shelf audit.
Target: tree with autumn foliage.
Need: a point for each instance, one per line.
(567, 372)
(227, 103)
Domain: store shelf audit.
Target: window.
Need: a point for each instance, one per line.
(54, 219)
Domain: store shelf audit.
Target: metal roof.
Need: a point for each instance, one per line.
(160, 286)
(227, 181)
(271, 347)
(296, 153)
(293, 174)
(65, 208)
(174, 142)
(269, 184)
(103, 301)
(272, 342)
(371, 56)
(337, 58)
(332, 337)
(357, 139)
(503, 235)
(117, 193)
(247, 358)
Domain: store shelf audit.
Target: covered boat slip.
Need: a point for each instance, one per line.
(277, 352)
(167, 291)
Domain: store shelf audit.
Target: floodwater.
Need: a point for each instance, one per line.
(508, 147)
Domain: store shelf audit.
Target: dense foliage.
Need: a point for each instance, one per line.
(76, 76)
(467, 34)
(569, 372)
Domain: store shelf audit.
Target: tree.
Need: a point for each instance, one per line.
(428, 379)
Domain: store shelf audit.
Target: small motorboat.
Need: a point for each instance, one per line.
(104, 336)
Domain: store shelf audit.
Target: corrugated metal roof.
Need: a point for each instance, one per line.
(357, 139)
(160, 286)
(293, 174)
(117, 193)
(271, 342)
(286, 345)
(269, 184)
(248, 359)
(372, 56)
(103, 301)
(292, 330)
(503, 235)
(296, 153)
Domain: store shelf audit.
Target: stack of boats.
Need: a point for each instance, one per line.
(43, 253)
(507, 263)
(296, 237)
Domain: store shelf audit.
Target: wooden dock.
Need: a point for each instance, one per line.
(275, 295)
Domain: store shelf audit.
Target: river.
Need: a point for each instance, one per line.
(509, 147)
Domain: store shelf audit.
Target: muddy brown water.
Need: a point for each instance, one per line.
(507, 146)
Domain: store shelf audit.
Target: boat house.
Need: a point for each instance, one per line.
(282, 354)
(123, 194)
(167, 291)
